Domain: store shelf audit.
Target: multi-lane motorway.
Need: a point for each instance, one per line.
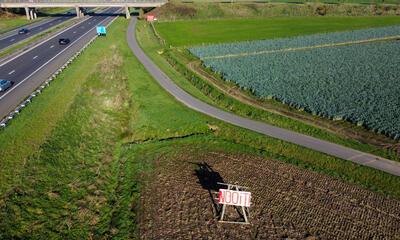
(31, 68)
(14, 37)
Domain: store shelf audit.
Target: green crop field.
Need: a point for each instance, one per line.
(359, 82)
(232, 30)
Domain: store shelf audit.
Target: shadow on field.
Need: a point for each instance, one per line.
(209, 179)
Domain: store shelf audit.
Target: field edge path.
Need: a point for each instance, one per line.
(332, 149)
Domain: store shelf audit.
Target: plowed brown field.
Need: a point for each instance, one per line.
(288, 202)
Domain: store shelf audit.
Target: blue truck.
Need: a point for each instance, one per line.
(101, 31)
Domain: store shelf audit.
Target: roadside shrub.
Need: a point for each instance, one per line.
(182, 10)
(377, 10)
(320, 10)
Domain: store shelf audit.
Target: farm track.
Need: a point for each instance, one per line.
(315, 144)
(288, 202)
(304, 48)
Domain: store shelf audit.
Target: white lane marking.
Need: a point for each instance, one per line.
(39, 68)
(30, 49)
(13, 71)
(35, 57)
(74, 31)
(51, 46)
(12, 40)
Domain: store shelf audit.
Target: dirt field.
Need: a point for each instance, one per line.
(288, 202)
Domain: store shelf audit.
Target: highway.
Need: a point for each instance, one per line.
(14, 37)
(332, 149)
(31, 68)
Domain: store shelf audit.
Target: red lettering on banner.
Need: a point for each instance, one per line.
(232, 197)
(235, 197)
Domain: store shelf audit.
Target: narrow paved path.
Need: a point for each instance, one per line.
(332, 149)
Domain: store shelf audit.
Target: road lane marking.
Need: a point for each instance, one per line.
(74, 31)
(13, 71)
(39, 68)
(51, 46)
(41, 43)
(35, 57)
(12, 40)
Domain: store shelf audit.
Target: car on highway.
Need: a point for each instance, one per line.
(23, 31)
(4, 85)
(63, 41)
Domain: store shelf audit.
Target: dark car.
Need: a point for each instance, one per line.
(23, 31)
(63, 41)
(4, 85)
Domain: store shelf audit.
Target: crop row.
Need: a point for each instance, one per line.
(359, 83)
(302, 41)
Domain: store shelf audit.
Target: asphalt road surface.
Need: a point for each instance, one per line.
(31, 68)
(14, 38)
(332, 149)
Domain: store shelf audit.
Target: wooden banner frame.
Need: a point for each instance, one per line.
(245, 211)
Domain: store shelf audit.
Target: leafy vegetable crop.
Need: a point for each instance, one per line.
(359, 83)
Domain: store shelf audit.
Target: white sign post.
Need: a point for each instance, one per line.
(234, 196)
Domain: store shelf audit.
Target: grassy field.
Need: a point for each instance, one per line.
(233, 30)
(72, 161)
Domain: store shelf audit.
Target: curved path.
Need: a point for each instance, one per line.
(332, 149)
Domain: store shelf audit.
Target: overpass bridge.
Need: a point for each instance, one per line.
(31, 5)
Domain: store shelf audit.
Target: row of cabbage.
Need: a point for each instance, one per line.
(359, 83)
(302, 41)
